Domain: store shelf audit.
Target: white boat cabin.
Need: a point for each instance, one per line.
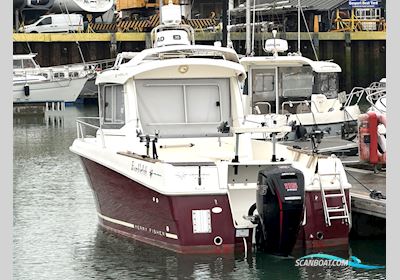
(283, 84)
(191, 104)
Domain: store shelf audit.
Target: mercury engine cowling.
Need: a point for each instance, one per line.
(280, 206)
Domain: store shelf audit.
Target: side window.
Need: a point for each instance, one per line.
(263, 85)
(113, 105)
(45, 21)
(17, 64)
(28, 63)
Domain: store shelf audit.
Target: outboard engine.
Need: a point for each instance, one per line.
(280, 206)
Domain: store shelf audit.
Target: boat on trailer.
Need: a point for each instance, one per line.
(297, 91)
(172, 163)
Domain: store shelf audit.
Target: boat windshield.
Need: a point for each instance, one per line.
(23, 63)
(327, 84)
(270, 90)
(183, 107)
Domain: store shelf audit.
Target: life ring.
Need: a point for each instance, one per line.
(372, 140)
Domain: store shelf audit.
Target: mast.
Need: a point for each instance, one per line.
(253, 31)
(225, 7)
(298, 27)
(248, 32)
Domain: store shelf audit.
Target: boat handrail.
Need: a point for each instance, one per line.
(121, 56)
(262, 103)
(263, 129)
(374, 95)
(358, 92)
(81, 124)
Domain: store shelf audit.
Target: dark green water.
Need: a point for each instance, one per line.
(56, 234)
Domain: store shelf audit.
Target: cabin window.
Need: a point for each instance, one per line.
(264, 82)
(296, 81)
(263, 90)
(17, 64)
(59, 75)
(327, 84)
(112, 106)
(73, 75)
(183, 107)
(28, 63)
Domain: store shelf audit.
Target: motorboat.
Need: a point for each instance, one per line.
(297, 91)
(37, 89)
(172, 163)
(32, 83)
(26, 64)
(372, 126)
(376, 96)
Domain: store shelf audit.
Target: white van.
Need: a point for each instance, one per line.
(55, 23)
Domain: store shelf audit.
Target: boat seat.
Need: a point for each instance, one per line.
(303, 108)
(322, 103)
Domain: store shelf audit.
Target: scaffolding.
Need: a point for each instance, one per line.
(359, 20)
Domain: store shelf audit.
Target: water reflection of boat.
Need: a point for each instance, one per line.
(173, 163)
(138, 260)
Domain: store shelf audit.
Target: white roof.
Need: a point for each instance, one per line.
(295, 60)
(204, 66)
(199, 55)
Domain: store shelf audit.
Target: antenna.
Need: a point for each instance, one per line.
(253, 31)
(248, 32)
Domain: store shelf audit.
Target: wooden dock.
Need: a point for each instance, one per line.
(361, 201)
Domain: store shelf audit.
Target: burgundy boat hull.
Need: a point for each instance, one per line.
(130, 209)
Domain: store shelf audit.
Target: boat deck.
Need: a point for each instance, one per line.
(334, 144)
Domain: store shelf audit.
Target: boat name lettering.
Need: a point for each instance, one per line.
(141, 228)
(150, 230)
(157, 232)
(139, 168)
